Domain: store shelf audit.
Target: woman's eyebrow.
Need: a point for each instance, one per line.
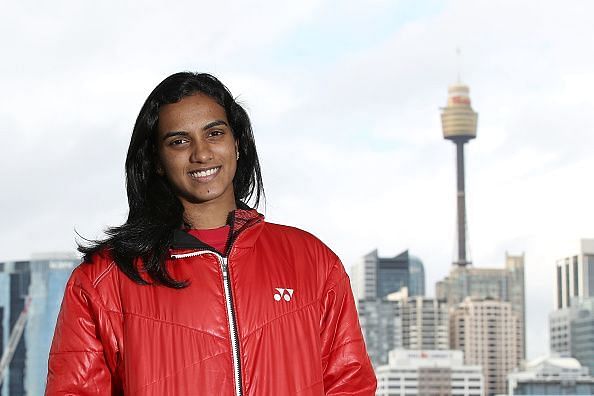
(214, 124)
(174, 133)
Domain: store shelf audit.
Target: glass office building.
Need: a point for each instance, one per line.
(376, 277)
(572, 331)
(41, 281)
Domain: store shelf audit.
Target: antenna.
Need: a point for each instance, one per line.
(459, 62)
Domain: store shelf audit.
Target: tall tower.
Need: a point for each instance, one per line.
(459, 125)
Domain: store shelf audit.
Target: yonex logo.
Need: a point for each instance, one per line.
(281, 293)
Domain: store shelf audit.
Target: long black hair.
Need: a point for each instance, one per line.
(155, 211)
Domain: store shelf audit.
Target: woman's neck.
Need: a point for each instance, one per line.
(208, 214)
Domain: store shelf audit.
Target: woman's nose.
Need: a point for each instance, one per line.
(201, 152)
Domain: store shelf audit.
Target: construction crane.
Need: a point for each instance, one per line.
(13, 341)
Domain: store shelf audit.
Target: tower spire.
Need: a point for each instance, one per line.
(459, 125)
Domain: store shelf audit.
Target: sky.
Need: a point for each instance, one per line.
(344, 97)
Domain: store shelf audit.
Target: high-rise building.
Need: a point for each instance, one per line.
(424, 321)
(551, 376)
(41, 282)
(575, 275)
(505, 284)
(400, 321)
(488, 331)
(425, 324)
(571, 325)
(428, 373)
(571, 331)
(381, 324)
(376, 277)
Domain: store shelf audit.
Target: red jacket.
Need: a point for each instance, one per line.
(282, 321)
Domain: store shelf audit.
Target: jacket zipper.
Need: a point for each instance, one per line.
(223, 261)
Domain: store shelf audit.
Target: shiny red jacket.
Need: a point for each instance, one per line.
(274, 317)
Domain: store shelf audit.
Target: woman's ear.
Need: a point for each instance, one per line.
(237, 150)
(159, 168)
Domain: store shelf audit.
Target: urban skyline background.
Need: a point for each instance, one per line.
(344, 98)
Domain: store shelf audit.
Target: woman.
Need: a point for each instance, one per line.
(196, 294)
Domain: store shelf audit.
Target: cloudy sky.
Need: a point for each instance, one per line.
(344, 97)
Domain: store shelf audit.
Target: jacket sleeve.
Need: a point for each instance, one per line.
(346, 366)
(82, 357)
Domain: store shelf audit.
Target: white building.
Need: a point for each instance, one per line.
(575, 275)
(428, 373)
(551, 376)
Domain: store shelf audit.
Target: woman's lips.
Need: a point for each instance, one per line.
(204, 175)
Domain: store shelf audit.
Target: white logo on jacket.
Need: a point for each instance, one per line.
(281, 293)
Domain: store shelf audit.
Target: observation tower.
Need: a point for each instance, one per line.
(458, 122)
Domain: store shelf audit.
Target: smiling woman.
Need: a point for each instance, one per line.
(198, 155)
(196, 293)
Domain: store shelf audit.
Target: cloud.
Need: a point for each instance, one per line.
(345, 103)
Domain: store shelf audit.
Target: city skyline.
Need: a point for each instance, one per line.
(344, 98)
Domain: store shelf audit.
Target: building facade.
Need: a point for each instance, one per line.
(381, 324)
(575, 275)
(424, 322)
(489, 333)
(551, 376)
(571, 331)
(399, 321)
(41, 282)
(416, 276)
(376, 277)
(505, 284)
(560, 332)
(428, 373)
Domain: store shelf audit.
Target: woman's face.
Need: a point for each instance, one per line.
(197, 151)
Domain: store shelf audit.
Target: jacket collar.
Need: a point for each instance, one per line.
(239, 219)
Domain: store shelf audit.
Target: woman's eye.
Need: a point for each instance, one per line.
(215, 132)
(177, 142)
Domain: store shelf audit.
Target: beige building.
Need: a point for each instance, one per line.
(424, 321)
(489, 333)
